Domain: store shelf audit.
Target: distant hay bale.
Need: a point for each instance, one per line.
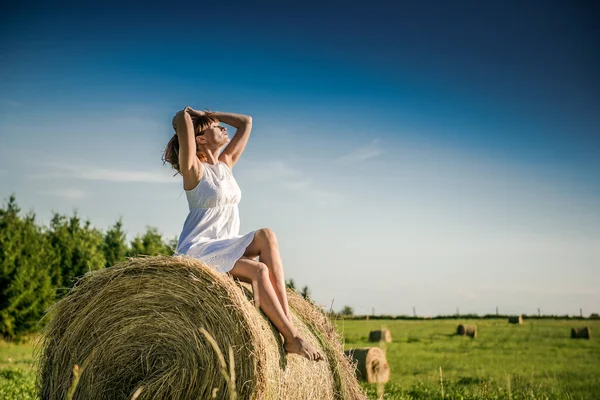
(150, 327)
(581, 333)
(383, 335)
(516, 320)
(467, 330)
(371, 364)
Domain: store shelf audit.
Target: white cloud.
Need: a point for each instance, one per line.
(102, 174)
(281, 174)
(298, 184)
(263, 171)
(362, 153)
(71, 194)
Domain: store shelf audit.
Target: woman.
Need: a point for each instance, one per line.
(211, 229)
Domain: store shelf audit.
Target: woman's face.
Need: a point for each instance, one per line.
(215, 135)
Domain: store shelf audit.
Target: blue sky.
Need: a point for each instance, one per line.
(428, 155)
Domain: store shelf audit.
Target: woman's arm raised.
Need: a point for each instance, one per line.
(182, 122)
(235, 148)
(235, 120)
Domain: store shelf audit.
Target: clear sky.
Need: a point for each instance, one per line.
(440, 155)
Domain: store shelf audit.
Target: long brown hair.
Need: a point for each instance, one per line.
(171, 153)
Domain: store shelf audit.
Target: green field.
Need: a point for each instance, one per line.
(17, 377)
(537, 360)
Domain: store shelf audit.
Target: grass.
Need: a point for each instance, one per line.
(17, 375)
(537, 360)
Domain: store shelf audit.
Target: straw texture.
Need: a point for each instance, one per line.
(467, 330)
(371, 364)
(581, 333)
(516, 320)
(173, 328)
(383, 335)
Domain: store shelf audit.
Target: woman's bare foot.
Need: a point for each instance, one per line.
(300, 346)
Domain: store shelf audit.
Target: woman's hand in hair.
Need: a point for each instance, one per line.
(179, 115)
(196, 113)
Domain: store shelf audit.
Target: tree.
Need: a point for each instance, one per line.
(25, 284)
(305, 293)
(114, 244)
(172, 245)
(77, 248)
(150, 244)
(290, 284)
(347, 311)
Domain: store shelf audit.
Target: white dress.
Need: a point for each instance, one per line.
(211, 230)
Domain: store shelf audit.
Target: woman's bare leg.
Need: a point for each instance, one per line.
(265, 246)
(257, 273)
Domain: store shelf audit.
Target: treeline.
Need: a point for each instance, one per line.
(593, 316)
(39, 264)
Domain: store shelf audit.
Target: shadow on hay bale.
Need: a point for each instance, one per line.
(467, 330)
(516, 320)
(371, 364)
(137, 327)
(580, 333)
(383, 335)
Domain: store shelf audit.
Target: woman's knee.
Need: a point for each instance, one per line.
(267, 235)
(249, 270)
(263, 240)
(261, 271)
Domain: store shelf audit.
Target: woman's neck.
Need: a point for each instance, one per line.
(211, 156)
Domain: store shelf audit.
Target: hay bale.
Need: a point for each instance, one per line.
(467, 330)
(136, 328)
(516, 320)
(383, 335)
(371, 364)
(581, 333)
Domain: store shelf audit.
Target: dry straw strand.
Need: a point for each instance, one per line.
(229, 378)
(74, 383)
(138, 325)
(442, 382)
(137, 393)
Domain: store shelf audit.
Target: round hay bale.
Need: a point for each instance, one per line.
(173, 328)
(383, 335)
(467, 330)
(581, 333)
(371, 364)
(516, 320)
